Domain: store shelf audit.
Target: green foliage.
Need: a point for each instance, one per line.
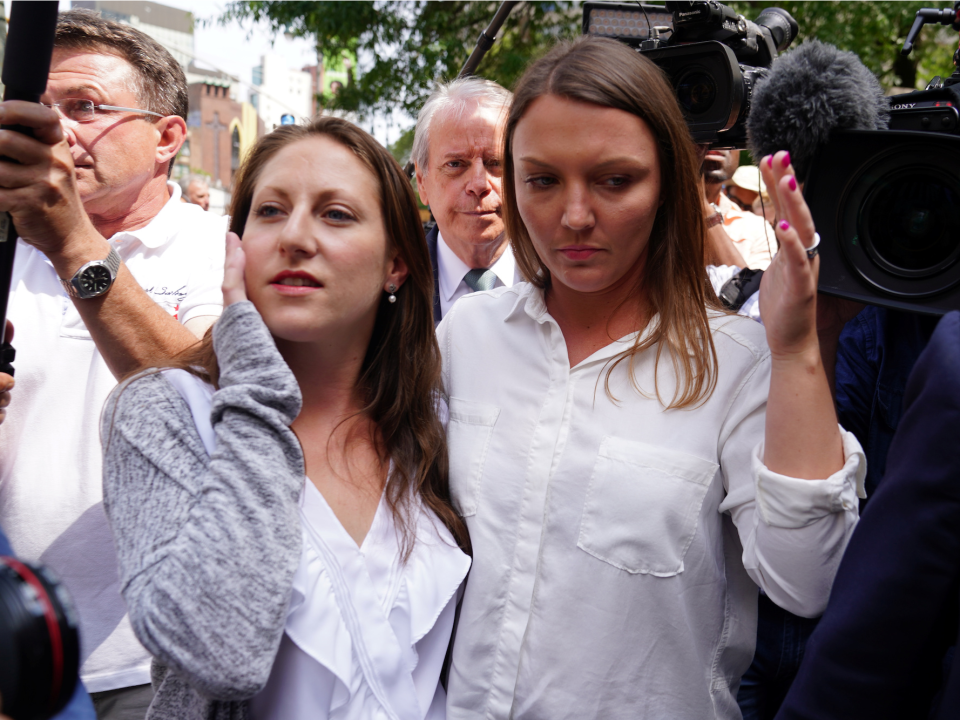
(413, 43)
(406, 46)
(402, 147)
(875, 31)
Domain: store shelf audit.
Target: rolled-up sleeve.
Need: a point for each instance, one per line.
(793, 531)
(788, 502)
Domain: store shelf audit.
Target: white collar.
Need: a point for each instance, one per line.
(162, 228)
(452, 269)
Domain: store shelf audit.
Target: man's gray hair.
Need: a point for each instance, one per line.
(454, 96)
(187, 180)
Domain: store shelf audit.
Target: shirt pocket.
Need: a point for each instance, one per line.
(642, 506)
(468, 439)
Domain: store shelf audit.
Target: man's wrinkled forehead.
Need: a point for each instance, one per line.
(90, 70)
(467, 127)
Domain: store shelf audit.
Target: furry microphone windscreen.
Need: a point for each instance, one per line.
(808, 93)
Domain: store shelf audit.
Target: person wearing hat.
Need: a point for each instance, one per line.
(751, 234)
(745, 186)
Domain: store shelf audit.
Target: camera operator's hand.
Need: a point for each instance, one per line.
(234, 286)
(40, 190)
(6, 385)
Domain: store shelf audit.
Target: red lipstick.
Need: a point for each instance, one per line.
(295, 283)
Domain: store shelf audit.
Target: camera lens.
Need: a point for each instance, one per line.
(696, 91)
(39, 643)
(910, 222)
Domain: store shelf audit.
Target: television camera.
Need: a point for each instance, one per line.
(712, 55)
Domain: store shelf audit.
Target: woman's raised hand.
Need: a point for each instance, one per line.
(234, 286)
(788, 291)
(802, 439)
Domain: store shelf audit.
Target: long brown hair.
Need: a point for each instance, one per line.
(674, 284)
(400, 377)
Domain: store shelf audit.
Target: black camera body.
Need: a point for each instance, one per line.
(713, 56)
(887, 206)
(39, 642)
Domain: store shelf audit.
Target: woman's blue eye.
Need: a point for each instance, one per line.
(540, 181)
(339, 215)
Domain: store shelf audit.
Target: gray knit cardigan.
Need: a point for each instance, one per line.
(208, 545)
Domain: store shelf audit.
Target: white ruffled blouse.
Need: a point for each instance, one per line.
(365, 635)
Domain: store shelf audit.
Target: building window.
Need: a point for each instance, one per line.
(235, 149)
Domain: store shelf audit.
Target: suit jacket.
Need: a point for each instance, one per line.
(878, 650)
(433, 235)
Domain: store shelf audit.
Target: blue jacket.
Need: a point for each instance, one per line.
(878, 349)
(878, 650)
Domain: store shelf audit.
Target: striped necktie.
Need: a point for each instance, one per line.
(480, 279)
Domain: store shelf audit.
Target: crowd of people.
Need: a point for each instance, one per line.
(311, 461)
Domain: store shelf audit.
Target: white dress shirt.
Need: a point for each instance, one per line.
(452, 269)
(719, 275)
(618, 545)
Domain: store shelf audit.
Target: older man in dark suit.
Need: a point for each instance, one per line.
(878, 651)
(456, 151)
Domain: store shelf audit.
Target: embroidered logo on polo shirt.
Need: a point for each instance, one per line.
(169, 299)
(166, 293)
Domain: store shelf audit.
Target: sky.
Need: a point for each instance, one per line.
(236, 49)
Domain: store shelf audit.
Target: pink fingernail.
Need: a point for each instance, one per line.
(792, 183)
(784, 225)
(770, 161)
(786, 160)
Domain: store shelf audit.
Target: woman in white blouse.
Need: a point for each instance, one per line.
(286, 543)
(631, 461)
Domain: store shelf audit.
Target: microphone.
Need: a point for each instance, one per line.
(26, 65)
(808, 93)
(26, 58)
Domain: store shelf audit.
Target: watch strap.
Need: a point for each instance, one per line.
(714, 220)
(111, 262)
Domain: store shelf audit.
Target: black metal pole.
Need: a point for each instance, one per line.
(26, 64)
(486, 39)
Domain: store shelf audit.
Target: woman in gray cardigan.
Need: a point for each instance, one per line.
(259, 593)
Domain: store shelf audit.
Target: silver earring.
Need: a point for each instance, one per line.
(392, 298)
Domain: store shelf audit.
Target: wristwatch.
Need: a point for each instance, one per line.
(716, 218)
(94, 278)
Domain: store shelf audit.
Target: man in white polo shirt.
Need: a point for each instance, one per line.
(112, 273)
(456, 152)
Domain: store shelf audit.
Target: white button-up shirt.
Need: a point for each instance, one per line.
(618, 545)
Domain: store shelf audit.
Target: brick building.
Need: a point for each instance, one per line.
(220, 131)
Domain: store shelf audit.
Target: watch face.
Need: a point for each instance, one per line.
(94, 280)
